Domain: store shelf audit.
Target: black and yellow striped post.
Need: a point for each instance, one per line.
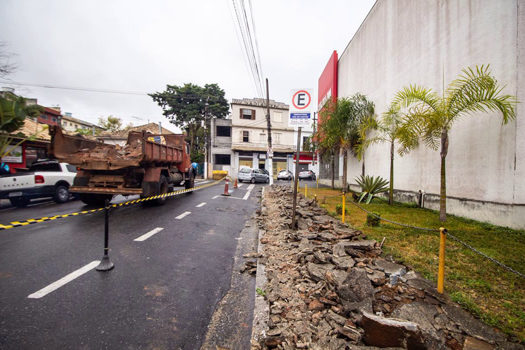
(441, 269)
(105, 263)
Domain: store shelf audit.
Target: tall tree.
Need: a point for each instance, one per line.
(190, 106)
(393, 129)
(111, 123)
(432, 116)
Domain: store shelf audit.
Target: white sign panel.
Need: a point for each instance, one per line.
(301, 108)
(14, 156)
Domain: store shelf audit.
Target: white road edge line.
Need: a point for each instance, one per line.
(201, 205)
(239, 185)
(181, 216)
(250, 187)
(149, 234)
(64, 280)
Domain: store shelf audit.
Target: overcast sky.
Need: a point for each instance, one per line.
(141, 46)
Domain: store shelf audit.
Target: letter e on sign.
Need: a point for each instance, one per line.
(301, 99)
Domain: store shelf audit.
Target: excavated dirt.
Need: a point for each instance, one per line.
(328, 287)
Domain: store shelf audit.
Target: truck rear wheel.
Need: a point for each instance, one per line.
(163, 189)
(94, 199)
(191, 182)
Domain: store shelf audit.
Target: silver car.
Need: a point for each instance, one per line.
(252, 175)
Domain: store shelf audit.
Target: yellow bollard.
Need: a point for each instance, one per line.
(305, 190)
(441, 270)
(317, 182)
(343, 213)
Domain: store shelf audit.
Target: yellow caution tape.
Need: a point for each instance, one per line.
(14, 224)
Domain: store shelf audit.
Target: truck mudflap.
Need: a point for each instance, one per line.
(104, 190)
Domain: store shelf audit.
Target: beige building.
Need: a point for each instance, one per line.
(71, 124)
(249, 137)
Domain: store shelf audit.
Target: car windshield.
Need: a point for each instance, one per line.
(246, 170)
(283, 172)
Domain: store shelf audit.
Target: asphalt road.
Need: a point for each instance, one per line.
(161, 293)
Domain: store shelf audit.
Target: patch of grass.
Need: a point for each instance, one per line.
(490, 292)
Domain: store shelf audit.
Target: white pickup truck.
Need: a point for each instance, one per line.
(43, 179)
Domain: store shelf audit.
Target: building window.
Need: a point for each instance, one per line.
(224, 131)
(247, 113)
(222, 159)
(43, 117)
(54, 119)
(277, 138)
(245, 136)
(278, 117)
(262, 137)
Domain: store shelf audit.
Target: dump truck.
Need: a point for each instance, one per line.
(147, 165)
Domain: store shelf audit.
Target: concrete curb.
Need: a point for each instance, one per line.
(261, 311)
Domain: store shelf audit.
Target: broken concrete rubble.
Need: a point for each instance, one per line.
(329, 288)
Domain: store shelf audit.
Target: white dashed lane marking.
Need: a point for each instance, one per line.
(148, 235)
(181, 216)
(64, 280)
(201, 205)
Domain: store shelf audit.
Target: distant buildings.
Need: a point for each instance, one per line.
(36, 132)
(242, 140)
(73, 124)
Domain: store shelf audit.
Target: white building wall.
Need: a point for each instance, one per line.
(428, 42)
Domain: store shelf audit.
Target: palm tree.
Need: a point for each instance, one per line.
(327, 141)
(344, 124)
(432, 116)
(392, 129)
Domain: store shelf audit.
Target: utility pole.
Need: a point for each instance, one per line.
(160, 128)
(269, 153)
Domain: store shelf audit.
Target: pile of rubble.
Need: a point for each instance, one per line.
(329, 288)
(113, 152)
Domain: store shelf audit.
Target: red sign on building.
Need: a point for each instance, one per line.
(327, 86)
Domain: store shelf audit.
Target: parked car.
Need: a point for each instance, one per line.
(47, 178)
(285, 175)
(307, 174)
(252, 175)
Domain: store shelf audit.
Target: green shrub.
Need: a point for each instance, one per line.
(372, 220)
(371, 186)
(339, 209)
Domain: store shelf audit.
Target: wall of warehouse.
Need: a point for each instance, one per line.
(427, 42)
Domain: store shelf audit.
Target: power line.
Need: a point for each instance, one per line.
(104, 91)
(51, 86)
(250, 44)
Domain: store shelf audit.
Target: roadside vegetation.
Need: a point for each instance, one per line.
(490, 292)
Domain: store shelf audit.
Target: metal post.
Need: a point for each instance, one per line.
(105, 263)
(343, 213)
(441, 271)
(269, 153)
(296, 177)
